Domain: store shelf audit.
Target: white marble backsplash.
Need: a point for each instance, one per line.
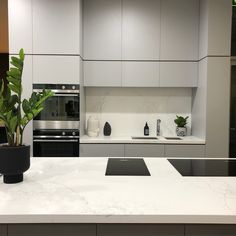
(127, 109)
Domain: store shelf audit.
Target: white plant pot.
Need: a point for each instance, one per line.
(181, 131)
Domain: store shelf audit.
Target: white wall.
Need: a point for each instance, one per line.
(127, 109)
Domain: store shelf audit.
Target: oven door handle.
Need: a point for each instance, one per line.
(60, 92)
(56, 140)
(57, 137)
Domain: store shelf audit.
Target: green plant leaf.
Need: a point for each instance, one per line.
(14, 81)
(22, 54)
(29, 116)
(14, 88)
(15, 73)
(26, 106)
(18, 63)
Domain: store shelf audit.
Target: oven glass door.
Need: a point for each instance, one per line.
(56, 148)
(60, 107)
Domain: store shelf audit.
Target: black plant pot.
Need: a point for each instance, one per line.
(14, 161)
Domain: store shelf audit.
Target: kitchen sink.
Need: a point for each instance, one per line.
(173, 138)
(144, 138)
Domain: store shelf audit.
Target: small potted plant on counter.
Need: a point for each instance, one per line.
(181, 129)
(15, 114)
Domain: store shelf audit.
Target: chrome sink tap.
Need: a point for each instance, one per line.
(158, 127)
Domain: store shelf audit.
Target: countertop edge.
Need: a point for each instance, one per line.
(119, 219)
(125, 140)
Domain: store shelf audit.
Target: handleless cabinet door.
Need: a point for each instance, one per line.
(140, 74)
(102, 73)
(179, 29)
(141, 30)
(52, 230)
(144, 150)
(210, 230)
(180, 150)
(178, 74)
(56, 25)
(102, 29)
(20, 25)
(101, 150)
(3, 230)
(140, 230)
(56, 69)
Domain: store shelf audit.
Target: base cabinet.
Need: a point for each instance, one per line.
(117, 230)
(101, 150)
(141, 150)
(144, 150)
(52, 230)
(3, 230)
(140, 230)
(210, 230)
(184, 150)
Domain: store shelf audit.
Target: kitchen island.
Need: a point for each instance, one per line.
(76, 191)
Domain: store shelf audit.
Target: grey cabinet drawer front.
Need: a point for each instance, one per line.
(3, 230)
(144, 150)
(210, 230)
(140, 230)
(51, 230)
(184, 150)
(101, 150)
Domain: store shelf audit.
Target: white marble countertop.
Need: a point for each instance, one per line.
(76, 190)
(128, 139)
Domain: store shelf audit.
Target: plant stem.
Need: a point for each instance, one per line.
(18, 135)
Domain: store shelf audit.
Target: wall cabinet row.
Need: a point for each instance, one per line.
(141, 30)
(141, 150)
(45, 26)
(116, 230)
(140, 74)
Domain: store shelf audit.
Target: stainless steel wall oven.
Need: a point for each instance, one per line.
(56, 128)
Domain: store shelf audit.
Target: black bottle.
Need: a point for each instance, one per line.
(107, 129)
(146, 129)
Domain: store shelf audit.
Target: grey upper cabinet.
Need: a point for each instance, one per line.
(102, 29)
(178, 74)
(102, 73)
(179, 29)
(56, 26)
(56, 69)
(20, 26)
(140, 74)
(141, 30)
(144, 150)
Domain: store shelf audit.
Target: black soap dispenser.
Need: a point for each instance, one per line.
(146, 129)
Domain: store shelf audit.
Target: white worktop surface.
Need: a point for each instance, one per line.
(76, 190)
(128, 139)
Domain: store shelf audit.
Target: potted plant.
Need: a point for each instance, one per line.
(15, 114)
(181, 129)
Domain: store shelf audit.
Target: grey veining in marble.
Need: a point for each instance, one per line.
(76, 190)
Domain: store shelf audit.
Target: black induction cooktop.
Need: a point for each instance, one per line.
(204, 167)
(127, 167)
